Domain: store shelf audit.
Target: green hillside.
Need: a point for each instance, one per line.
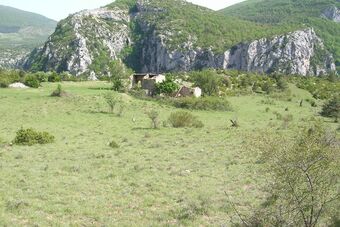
(180, 20)
(11, 17)
(292, 12)
(20, 32)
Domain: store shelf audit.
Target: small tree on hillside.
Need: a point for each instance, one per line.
(119, 73)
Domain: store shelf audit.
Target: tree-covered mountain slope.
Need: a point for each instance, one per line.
(322, 15)
(174, 35)
(20, 32)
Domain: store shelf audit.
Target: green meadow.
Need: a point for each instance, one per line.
(156, 177)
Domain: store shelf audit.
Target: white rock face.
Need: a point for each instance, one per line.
(93, 32)
(289, 54)
(332, 13)
(18, 85)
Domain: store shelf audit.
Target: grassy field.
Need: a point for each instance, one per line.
(156, 177)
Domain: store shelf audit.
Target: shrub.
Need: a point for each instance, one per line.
(41, 76)
(267, 87)
(111, 99)
(30, 137)
(59, 92)
(66, 76)
(113, 144)
(154, 115)
(303, 175)
(332, 108)
(181, 119)
(32, 81)
(204, 103)
(281, 84)
(167, 87)
(313, 103)
(54, 77)
(207, 80)
(234, 123)
(8, 77)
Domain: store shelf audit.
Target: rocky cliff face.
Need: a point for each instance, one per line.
(88, 35)
(332, 13)
(293, 53)
(87, 41)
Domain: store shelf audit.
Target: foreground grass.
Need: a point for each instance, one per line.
(155, 177)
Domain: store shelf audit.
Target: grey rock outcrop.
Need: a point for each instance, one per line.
(89, 34)
(290, 54)
(332, 13)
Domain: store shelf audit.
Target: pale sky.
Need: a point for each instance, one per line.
(59, 9)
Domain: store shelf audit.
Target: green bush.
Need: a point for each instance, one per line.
(204, 103)
(30, 137)
(59, 92)
(112, 99)
(154, 117)
(113, 144)
(208, 80)
(167, 87)
(332, 108)
(41, 76)
(8, 77)
(54, 77)
(182, 119)
(267, 87)
(32, 81)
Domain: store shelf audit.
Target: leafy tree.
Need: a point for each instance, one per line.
(118, 74)
(208, 81)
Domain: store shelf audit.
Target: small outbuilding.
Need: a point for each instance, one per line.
(147, 81)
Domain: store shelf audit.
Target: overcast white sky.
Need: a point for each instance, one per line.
(59, 9)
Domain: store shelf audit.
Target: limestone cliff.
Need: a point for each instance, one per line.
(293, 53)
(169, 35)
(81, 39)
